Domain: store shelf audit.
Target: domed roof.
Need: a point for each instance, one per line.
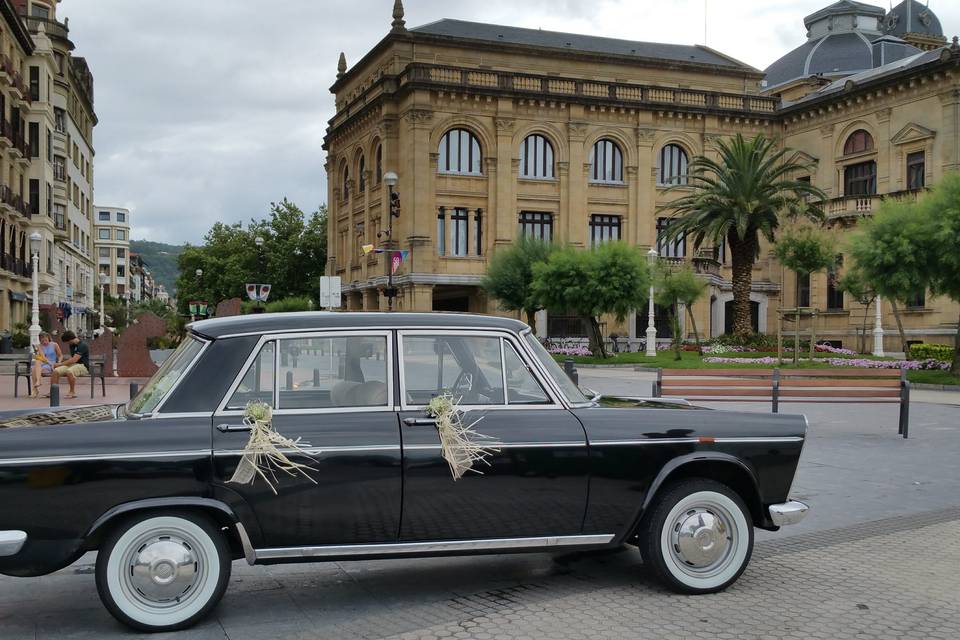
(911, 16)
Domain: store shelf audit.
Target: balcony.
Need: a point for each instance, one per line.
(862, 206)
(52, 28)
(16, 266)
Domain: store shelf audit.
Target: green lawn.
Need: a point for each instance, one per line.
(691, 360)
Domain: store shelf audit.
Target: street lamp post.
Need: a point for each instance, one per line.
(652, 256)
(390, 179)
(199, 272)
(35, 239)
(104, 280)
(878, 329)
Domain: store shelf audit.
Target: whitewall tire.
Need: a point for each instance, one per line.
(163, 572)
(697, 537)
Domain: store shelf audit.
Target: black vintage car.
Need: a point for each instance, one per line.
(148, 484)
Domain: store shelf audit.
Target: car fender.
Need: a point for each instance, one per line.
(159, 503)
(676, 464)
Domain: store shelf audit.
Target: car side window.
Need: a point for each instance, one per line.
(467, 367)
(334, 371)
(522, 386)
(257, 383)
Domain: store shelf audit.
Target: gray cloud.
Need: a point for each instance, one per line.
(211, 110)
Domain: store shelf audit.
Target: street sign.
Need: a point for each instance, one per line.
(258, 292)
(330, 292)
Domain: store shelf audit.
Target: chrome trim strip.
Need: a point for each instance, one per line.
(790, 512)
(188, 414)
(11, 542)
(759, 440)
(169, 394)
(285, 332)
(316, 451)
(106, 456)
(502, 445)
(439, 546)
(615, 443)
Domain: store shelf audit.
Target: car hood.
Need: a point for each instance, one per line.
(67, 415)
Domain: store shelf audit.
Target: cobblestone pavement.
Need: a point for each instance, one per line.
(878, 557)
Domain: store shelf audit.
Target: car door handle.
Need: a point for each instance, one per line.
(420, 422)
(229, 428)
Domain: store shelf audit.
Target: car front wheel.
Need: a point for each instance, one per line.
(698, 537)
(163, 572)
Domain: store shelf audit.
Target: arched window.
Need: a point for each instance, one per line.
(361, 176)
(606, 162)
(858, 142)
(673, 165)
(536, 157)
(460, 153)
(378, 171)
(344, 181)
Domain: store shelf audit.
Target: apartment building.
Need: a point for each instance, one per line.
(111, 229)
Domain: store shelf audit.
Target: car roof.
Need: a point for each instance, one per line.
(313, 320)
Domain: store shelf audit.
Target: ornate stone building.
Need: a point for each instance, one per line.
(496, 131)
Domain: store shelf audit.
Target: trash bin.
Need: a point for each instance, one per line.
(6, 344)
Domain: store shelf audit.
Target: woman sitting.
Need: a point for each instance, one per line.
(47, 355)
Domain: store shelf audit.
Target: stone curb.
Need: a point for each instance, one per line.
(935, 387)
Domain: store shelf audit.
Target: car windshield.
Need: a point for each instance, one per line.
(164, 379)
(572, 391)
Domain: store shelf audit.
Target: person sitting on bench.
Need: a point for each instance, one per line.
(76, 366)
(47, 355)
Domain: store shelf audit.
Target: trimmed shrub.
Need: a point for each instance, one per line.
(932, 351)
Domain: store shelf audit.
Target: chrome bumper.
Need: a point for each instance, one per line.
(11, 542)
(790, 512)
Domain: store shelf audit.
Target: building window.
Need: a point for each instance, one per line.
(606, 162)
(459, 153)
(478, 232)
(859, 142)
(35, 83)
(803, 289)
(121, 234)
(104, 234)
(121, 271)
(834, 294)
(39, 11)
(104, 252)
(361, 176)
(916, 170)
(121, 253)
(34, 197)
(537, 225)
(604, 228)
(104, 216)
(34, 128)
(676, 248)
(346, 183)
(673, 165)
(60, 168)
(60, 119)
(917, 301)
(536, 158)
(121, 216)
(459, 236)
(860, 179)
(442, 232)
(378, 174)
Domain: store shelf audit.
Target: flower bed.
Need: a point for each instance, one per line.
(570, 351)
(863, 363)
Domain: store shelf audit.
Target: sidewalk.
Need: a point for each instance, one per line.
(118, 392)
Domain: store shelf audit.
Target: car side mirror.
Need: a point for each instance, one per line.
(590, 393)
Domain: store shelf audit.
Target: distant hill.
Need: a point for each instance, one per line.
(161, 259)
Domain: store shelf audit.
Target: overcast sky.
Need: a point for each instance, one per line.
(209, 110)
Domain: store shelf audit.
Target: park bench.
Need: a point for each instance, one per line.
(97, 370)
(875, 386)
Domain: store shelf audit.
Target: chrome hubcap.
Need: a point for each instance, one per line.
(702, 539)
(163, 570)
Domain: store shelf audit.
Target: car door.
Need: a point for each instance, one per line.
(534, 485)
(334, 391)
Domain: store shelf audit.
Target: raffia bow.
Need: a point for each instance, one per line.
(458, 441)
(263, 456)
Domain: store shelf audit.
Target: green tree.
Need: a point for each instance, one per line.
(509, 276)
(611, 279)
(805, 250)
(893, 252)
(854, 283)
(941, 211)
(741, 198)
(675, 287)
(292, 259)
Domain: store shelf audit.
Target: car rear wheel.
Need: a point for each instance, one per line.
(698, 537)
(163, 572)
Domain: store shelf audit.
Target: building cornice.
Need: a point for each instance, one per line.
(17, 26)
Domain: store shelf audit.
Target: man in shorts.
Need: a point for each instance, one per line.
(76, 366)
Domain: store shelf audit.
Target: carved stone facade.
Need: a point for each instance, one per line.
(459, 122)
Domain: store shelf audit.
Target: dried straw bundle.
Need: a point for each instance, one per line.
(262, 455)
(458, 441)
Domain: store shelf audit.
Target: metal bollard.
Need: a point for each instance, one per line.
(316, 378)
(134, 389)
(570, 370)
(289, 380)
(54, 395)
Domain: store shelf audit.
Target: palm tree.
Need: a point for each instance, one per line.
(740, 198)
